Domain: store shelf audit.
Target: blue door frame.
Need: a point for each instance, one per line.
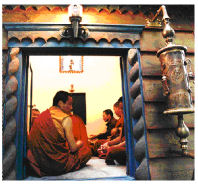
(20, 115)
(54, 47)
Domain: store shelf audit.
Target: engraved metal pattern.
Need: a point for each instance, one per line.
(176, 82)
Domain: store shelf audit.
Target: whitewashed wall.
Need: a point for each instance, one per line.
(101, 81)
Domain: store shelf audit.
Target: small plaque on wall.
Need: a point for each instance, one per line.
(70, 64)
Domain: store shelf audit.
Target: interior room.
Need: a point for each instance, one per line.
(98, 78)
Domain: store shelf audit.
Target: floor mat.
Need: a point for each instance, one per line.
(95, 168)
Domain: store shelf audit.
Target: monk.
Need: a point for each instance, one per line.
(110, 124)
(53, 149)
(119, 112)
(97, 140)
(35, 114)
(79, 131)
(115, 149)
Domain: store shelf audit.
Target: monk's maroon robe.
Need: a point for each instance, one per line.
(49, 152)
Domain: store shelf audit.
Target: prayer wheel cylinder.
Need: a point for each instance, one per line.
(175, 80)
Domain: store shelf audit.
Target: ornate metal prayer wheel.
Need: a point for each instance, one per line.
(175, 79)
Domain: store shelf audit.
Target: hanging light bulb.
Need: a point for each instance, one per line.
(75, 16)
(75, 13)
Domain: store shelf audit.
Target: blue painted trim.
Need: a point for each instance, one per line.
(127, 118)
(25, 84)
(31, 89)
(67, 44)
(18, 142)
(121, 28)
(120, 178)
(124, 110)
(20, 119)
(143, 112)
(134, 121)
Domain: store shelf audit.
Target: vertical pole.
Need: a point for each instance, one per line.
(20, 116)
(127, 118)
(31, 96)
(143, 113)
(25, 87)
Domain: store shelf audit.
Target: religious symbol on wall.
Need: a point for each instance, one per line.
(70, 64)
(72, 88)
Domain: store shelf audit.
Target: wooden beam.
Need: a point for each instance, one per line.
(177, 168)
(153, 90)
(155, 119)
(151, 65)
(5, 39)
(165, 143)
(153, 40)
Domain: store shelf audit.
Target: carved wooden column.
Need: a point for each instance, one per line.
(9, 132)
(139, 134)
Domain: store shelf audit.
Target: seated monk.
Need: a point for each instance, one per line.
(110, 124)
(118, 109)
(115, 149)
(79, 130)
(97, 140)
(53, 149)
(115, 131)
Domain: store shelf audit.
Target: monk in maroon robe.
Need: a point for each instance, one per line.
(80, 132)
(53, 149)
(115, 149)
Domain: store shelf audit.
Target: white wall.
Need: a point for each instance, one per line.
(101, 81)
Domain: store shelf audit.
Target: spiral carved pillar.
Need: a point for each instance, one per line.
(141, 172)
(9, 131)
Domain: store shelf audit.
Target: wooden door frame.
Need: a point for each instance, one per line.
(103, 47)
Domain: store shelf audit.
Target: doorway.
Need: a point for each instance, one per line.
(121, 57)
(100, 81)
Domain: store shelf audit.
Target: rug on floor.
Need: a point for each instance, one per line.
(95, 168)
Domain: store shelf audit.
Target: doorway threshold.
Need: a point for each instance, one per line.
(96, 169)
(121, 178)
